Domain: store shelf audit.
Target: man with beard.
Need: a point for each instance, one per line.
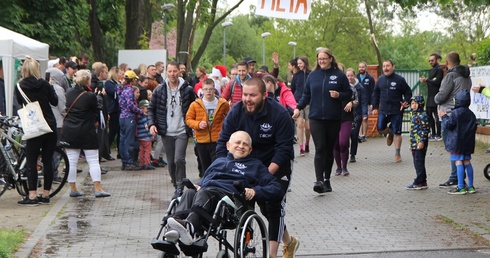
(166, 117)
(433, 84)
(391, 96)
(272, 131)
(367, 81)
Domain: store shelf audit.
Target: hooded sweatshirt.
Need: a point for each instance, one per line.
(419, 124)
(39, 90)
(456, 79)
(461, 126)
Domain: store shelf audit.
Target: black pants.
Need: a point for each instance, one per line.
(419, 164)
(354, 135)
(207, 154)
(434, 123)
(43, 145)
(113, 129)
(324, 134)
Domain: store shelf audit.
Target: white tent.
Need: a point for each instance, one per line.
(16, 46)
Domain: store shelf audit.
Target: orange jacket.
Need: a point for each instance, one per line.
(197, 113)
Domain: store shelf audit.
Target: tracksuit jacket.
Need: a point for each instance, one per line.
(272, 132)
(390, 91)
(249, 171)
(317, 95)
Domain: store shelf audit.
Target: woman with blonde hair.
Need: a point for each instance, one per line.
(113, 111)
(79, 131)
(37, 89)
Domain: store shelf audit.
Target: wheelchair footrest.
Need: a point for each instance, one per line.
(165, 246)
(198, 247)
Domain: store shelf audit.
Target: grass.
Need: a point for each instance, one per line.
(478, 238)
(10, 240)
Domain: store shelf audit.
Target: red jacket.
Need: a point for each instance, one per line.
(286, 97)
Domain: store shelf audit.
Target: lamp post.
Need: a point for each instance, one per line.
(224, 25)
(292, 43)
(264, 35)
(166, 8)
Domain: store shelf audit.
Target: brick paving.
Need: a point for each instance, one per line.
(368, 211)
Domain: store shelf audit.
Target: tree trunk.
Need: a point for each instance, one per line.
(96, 32)
(373, 38)
(138, 22)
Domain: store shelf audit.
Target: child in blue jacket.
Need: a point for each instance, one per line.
(460, 139)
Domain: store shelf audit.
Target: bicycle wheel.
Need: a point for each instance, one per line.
(4, 177)
(251, 237)
(486, 171)
(61, 167)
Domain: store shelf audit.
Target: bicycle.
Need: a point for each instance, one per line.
(13, 161)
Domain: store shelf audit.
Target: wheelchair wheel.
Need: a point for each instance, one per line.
(486, 171)
(251, 237)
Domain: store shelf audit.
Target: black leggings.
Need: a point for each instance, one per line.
(43, 145)
(324, 134)
(434, 123)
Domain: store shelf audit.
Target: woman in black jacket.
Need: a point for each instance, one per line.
(37, 89)
(79, 131)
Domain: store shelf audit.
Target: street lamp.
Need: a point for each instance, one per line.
(166, 8)
(224, 25)
(264, 35)
(292, 43)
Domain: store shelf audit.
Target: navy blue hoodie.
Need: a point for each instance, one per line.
(317, 95)
(460, 125)
(389, 92)
(272, 132)
(249, 171)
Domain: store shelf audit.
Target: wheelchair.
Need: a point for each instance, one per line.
(251, 238)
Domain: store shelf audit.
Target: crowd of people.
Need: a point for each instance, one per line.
(155, 109)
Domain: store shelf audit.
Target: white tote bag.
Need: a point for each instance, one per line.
(32, 118)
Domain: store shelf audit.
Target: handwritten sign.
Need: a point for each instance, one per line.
(479, 103)
(286, 9)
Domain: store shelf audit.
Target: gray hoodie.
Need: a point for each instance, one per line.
(456, 79)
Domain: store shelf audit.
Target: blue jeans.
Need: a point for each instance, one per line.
(453, 176)
(127, 141)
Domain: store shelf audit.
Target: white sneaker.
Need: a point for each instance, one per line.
(184, 234)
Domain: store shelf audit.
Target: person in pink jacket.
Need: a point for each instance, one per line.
(279, 91)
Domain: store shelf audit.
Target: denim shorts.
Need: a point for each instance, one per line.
(396, 122)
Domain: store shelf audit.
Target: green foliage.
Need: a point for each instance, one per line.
(483, 52)
(144, 40)
(10, 240)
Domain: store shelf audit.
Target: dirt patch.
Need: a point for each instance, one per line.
(477, 238)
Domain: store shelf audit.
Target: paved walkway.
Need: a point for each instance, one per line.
(368, 211)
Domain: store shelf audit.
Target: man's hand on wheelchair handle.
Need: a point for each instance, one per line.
(249, 194)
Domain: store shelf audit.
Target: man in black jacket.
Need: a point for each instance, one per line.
(166, 117)
(433, 84)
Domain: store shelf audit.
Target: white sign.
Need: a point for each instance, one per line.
(479, 103)
(135, 57)
(286, 9)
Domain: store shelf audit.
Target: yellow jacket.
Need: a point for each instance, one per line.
(197, 113)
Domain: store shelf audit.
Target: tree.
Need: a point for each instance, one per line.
(190, 15)
(138, 22)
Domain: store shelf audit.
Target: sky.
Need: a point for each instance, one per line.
(426, 20)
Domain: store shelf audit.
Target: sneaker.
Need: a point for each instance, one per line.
(307, 148)
(364, 139)
(338, 172)
(172, 236)
(43, 200)
(359, 140)
(438, 138)
(424, 185)
(449, 183)
(471, 190)
(301, 153)
(148, 167)
(131, 167)
(184, 229)
(345, 172)
(319, 187)
(289, 251)
(416, 187)
(458, 191)
(163, 162)
(432, 138)
(352, 159)
(389, 139)
(398, 158)
(327, 186)
(28, 202)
